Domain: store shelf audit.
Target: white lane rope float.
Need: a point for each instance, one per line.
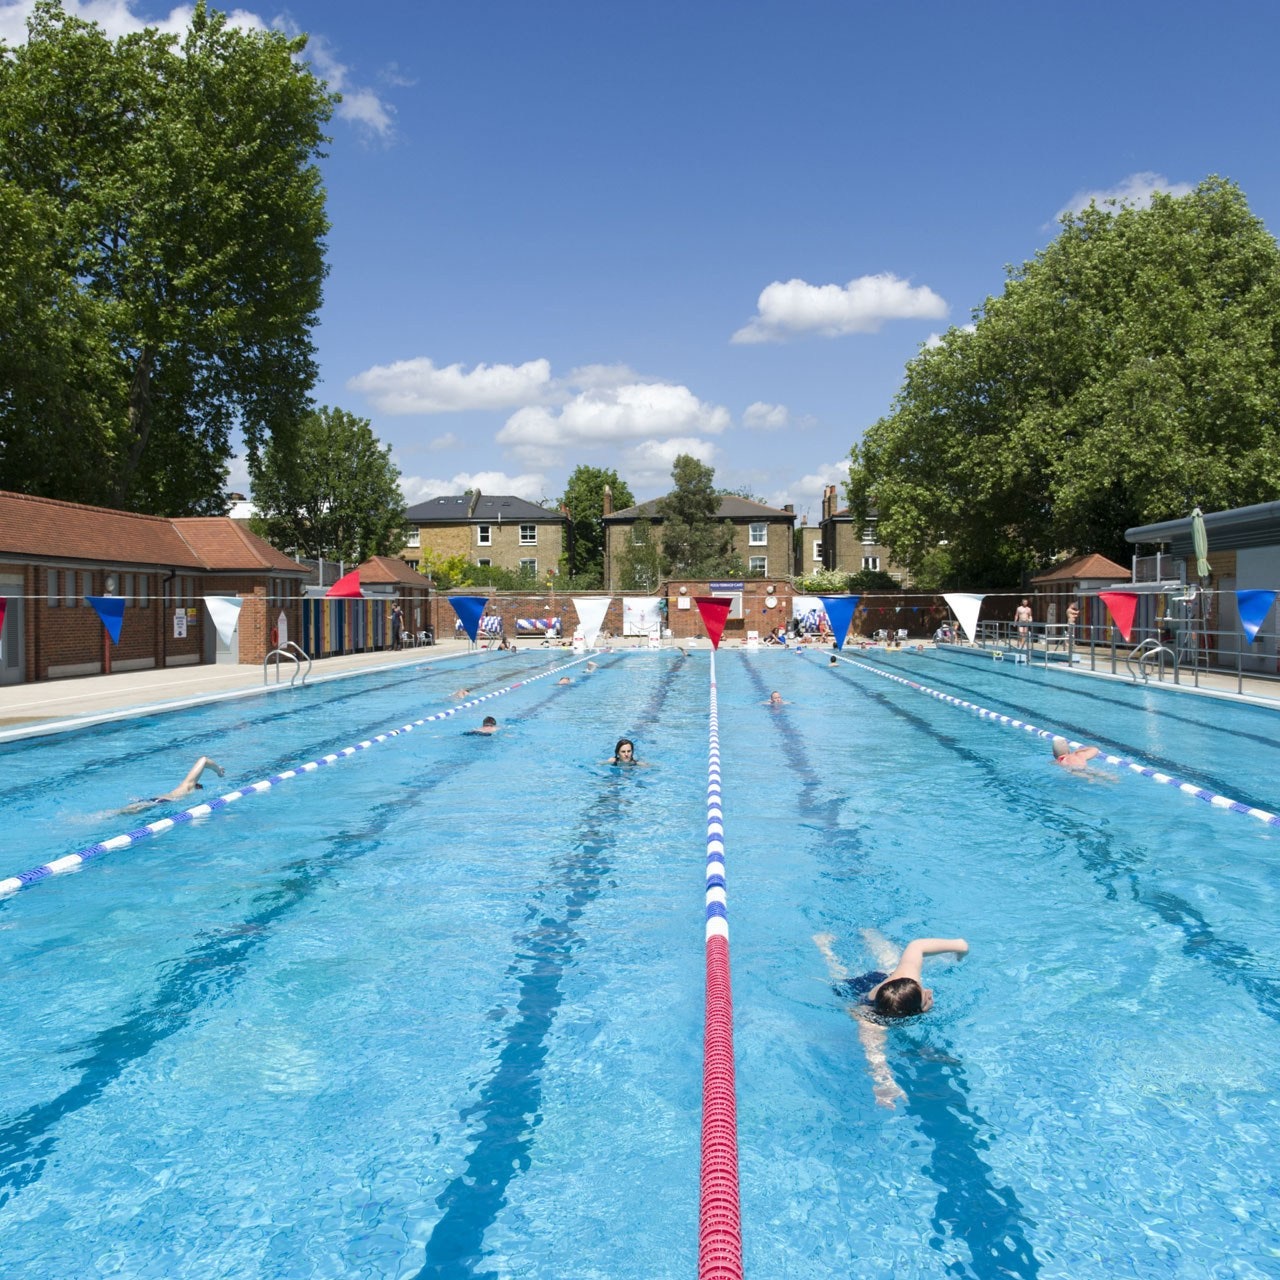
(1134, 766)
(71, 861)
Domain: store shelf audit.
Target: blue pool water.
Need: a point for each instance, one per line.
(436, 1010)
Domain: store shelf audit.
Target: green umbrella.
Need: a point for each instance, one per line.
(1200, 541)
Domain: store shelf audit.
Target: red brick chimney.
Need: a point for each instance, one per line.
(608, 501)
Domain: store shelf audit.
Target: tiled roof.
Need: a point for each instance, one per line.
(489, 509)
(222, 543)
(1092, 565)
(731, 507)
(46, 529)
(381, 570)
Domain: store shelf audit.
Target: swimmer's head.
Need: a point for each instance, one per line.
(1061, 747)
(489, 723)
(902, 998)
(625, 751)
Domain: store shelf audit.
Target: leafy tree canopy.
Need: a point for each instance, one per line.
(169, 215)
(332, 491)
(640, 562)
(695, 544)
(1128, 372)
(584, 500)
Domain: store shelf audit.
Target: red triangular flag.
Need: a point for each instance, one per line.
(715, 613)
(347, 587)
(1122, 605)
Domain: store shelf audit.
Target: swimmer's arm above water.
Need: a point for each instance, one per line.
(912, 962)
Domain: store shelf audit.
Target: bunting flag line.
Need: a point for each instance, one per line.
(1121, 605)
(840, 615)
(591, 611)
(469, 609)
(225, 612)
(715, 613)
(966, 606)
(347, 587)
(1252, 606)
(111, 610)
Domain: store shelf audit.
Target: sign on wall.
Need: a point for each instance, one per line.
(179, 624)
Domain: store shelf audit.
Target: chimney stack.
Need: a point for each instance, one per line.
(475, 502)
(608, 501)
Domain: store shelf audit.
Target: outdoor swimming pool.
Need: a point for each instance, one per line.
(437, 1009)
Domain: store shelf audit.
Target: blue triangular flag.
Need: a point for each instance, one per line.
(840, 614)
(469, 609)
(111, 611)
(1253, 607)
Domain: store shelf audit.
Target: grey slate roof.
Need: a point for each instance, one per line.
(732, 507)
(495, 509)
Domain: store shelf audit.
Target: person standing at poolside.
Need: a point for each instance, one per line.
(1022, 614)
(189, 784)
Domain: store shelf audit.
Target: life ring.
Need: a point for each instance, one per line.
(275, 637)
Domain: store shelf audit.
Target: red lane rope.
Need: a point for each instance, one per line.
(719, 1217)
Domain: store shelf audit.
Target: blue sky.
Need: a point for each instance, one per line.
(601, 233)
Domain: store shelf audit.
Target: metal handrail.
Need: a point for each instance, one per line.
(298, 649)
(1149, 650)
(278, 654)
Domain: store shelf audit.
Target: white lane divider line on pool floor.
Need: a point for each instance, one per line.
(58, 866)
(1134, 766)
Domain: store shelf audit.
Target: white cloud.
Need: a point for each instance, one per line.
(765, 417)
(937, 339)
(117, 18)
(593, 377)
(446, 441)
(861, 306)
(417, 386)
(649, 463)
(805, 494)
(610, 415)
(1135, 191)
(529, 486)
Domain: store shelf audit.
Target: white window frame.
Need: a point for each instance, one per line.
(869, 534)
(529, 564)
(872, 563)
(758, 564)
(528, 535)
(817, 550)
(758, 534)
(484, 535)
(484, 562)
(413, 538)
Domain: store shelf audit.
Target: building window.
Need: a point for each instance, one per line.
(869, 534)
(52, 584)
(484, 535)
(528, 535)
(637, 538)
(86, 588)
(484, 562)
(529, 567)
(817, 552)
(144, 591)
(758, 564)
(871, 562)
(414, 537)
(759, 535)
(126, 586)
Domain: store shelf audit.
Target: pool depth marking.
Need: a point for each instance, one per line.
(720, 1221)
(59, 866)
(1200, 793)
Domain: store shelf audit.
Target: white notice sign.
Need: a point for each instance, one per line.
(179, 624)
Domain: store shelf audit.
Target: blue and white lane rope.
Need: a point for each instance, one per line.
(1188, 788)
(160, 826)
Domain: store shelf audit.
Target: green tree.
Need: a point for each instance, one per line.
(694, 543)
(1128, 372)
(445, 571)
(584, 500)
(173, 190)
(640, 563)
(332, 491)
(873, 580)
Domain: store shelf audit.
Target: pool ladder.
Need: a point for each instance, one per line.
(294, 653)
(1150, 650)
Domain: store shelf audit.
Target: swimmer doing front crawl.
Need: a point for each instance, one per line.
(883, 996)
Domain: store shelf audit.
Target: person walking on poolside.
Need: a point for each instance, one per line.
(882, 996)
(397, 624)
(1022, 614)
(189, 784)
(1069, 759)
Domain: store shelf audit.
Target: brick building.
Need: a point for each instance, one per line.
(850, 548)
(762, 536)
(54, 554)
(502, 531)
